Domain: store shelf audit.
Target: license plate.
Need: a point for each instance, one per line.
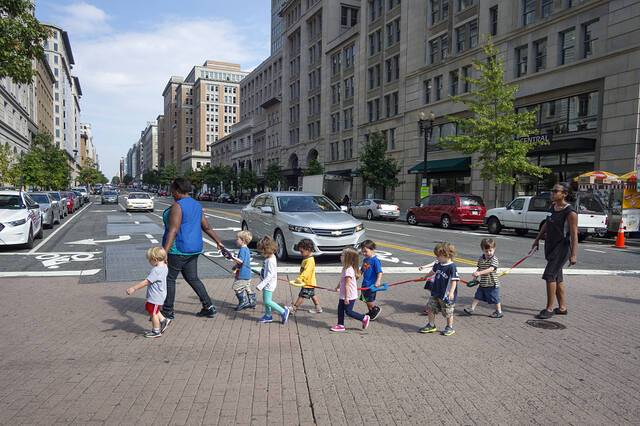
(473, 212)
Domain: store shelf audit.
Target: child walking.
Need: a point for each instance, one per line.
(349, 290)
(444, 289)
(371, 277)
(242, 268)
(307, 277)
(269, 281)
(156, 283)
(489, 288)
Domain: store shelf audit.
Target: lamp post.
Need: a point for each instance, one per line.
(425, 125)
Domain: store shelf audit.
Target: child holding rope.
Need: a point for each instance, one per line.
(269, 281)
(349, 290)
(307, 278)
(444, 289)
(489, 288)
(371, 277)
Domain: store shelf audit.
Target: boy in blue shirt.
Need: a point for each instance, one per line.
(371, 277)
(242, 283)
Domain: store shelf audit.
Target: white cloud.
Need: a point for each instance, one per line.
(82, 18)
(123, 74)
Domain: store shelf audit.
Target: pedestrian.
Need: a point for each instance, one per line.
(184, 223)
(156, 284)
(269, 281)
(371, 270)
(487, 273)
(348, 288)
(242, 270)
(444, 289)
(560, 232)
(307, 277)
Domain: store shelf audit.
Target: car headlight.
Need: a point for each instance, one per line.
(359, 227)
(304, 229)
(18, 222)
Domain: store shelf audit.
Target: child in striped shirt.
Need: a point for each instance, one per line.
(489, 289)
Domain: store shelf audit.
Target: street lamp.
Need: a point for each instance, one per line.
(425, 125)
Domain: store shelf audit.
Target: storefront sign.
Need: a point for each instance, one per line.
(546, 138)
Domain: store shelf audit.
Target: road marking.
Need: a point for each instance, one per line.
(423, 252)
(595, 251)
(91, 241)
(388, 232)
(43, 242)
(27, 274)
(390, 270)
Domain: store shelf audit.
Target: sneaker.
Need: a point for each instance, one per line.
(337, 328)
(164, 324)
(429, 328)
(285, 315)
(448, 331)
(265, 319)
(365, 322)
(544, 314)
(209, 312)
(374, 313)
(468, 311)
(153, 334)
(496, 314)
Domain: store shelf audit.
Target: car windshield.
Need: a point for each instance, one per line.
(40, 198)
(139, 196)
(310, 203)
(10, 202)
(55, 196)
(109, 193)
(471, 201)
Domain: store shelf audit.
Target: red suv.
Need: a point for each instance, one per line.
(448, 209)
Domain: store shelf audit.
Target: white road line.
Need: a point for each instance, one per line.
(388, 232)
(43, 242)
(26, 274)
(465, 270)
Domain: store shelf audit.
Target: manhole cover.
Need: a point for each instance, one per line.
(546, 325)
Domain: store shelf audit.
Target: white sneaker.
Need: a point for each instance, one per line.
(317, 310)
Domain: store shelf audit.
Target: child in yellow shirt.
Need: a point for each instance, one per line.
(307, 277)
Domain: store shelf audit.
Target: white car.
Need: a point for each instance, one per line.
(139, 201)
(20, 219)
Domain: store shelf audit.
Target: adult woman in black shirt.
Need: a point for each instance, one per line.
(560, 232)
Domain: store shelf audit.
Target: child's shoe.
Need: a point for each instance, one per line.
(316, 310)
(373, 314)
(265, 319)
(164, 324)
(365, 322)
(285, 315)
(153, 333)
(429, 328)
(448, 331)
(496, 314)
(337, 328)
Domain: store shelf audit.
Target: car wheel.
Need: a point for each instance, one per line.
(411, 219)
(521, 232)
(369, 215)
(40, 233)
(29, 243)
(281, 253)
(445, 222)
(494, 226)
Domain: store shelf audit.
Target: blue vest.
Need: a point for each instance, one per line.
(189, 238)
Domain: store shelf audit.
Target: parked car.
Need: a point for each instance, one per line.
(524, 214)
(448, 209)
(375, 208)
(225, 197)
(20, 219)
(109, 197)
(60, 198)
(139, 201)
(288, 217)
(50, 212)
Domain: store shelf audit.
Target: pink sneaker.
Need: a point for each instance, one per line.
(336, 328)
(365, 322)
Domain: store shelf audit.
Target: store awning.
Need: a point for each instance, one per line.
(441, 166)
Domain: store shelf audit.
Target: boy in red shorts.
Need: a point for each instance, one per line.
(156, 283)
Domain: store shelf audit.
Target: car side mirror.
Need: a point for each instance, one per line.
(266, 209)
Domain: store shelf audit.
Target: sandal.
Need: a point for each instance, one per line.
(557, 311)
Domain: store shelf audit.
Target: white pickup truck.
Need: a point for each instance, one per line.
(526, 214)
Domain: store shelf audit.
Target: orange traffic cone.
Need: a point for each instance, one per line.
(620, 236)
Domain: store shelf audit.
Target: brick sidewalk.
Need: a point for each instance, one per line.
(74, 353)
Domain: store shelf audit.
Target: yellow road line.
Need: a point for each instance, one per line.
(423, 252)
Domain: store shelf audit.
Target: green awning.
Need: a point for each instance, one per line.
(441, 166)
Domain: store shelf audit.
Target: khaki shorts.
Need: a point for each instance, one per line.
(436, 306)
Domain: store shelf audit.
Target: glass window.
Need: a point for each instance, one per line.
(568, 46)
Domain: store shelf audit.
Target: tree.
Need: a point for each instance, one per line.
(247, 180)
(273, 175)
(376, 169)
(115, 180)
(494, 129)
(127, 179)
(315, 168)
(21, 39)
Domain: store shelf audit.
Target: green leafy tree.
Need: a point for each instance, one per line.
(273, 175)
(127, 179)
(115, 180)
(315, 168)
(376, 169)
(21, 39)
(247, 180)
(494, 128)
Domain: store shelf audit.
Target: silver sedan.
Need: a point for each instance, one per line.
(375, 208)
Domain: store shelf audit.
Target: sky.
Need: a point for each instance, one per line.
(126, 50)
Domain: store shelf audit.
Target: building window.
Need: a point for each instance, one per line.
(373, 110)
(463, 4)
(522, 58)
(493, 20)
(393, 32)
(348, 16)
(335, 64)
(426, 87)
(466, 74)
(391, 104)
(546, 8)
(348, 88)
(528, 12)
(392, 69)
(540, 48)
(588, 38)
(347, 148)
(438, 87)
(567, 46)
(375, 41)
(349, 56)
(453, 83)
